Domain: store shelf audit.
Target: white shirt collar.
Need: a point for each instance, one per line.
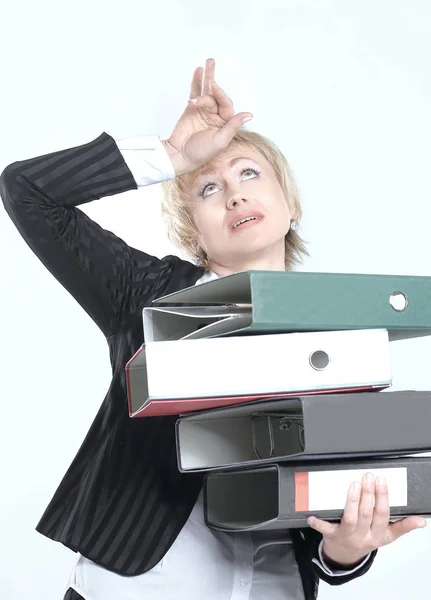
(207, 276)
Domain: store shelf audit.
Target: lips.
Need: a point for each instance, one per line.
(240, 217)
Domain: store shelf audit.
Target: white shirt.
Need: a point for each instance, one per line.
(202, 564)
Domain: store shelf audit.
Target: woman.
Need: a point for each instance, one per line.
(135, 521)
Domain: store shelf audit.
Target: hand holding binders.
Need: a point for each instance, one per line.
(285, 495)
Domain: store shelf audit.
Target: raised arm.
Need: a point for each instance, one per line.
(99, 269)
(41, 195)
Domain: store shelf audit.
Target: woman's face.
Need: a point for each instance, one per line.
(239, 208)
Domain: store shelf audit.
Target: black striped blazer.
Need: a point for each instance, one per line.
(122, 501)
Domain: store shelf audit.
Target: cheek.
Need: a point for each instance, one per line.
(208, 222)
(282, 204)
(203, 218)
(285, 209)
(277, 203)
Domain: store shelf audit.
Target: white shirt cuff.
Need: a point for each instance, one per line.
(321, 563)
(146, 158)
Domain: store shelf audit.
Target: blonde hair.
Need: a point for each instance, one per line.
(182, 230)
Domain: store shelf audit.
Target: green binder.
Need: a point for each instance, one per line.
(283, 301)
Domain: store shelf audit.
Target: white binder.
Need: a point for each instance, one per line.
(187, 375)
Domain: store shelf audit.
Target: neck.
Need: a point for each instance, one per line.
(271, 261)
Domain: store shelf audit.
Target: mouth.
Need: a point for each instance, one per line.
(242, 221)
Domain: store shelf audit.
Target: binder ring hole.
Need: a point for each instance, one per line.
(399, 301)
(319, 360)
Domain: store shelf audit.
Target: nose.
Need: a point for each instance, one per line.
(235, 199)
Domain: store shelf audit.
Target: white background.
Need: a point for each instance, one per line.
(343, 87)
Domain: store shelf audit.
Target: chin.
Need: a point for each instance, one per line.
(250, 250)
(261, 243)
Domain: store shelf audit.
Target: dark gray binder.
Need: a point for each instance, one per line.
(305, 428)
(274, 497)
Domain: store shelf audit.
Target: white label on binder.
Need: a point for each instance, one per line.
(327, 490)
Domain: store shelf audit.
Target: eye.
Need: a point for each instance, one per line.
(207, 188)
(250, 170)
(203, 191)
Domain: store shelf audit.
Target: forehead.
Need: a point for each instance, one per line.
(229, 158)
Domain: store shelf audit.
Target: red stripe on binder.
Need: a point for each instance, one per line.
(301, 492)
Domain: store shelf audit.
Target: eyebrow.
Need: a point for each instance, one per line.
(231, 164)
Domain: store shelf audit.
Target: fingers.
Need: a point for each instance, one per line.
(366, 506)
(349, 520)
(208, 102)
(225, 104)
(217, 102)
(208, 76)
(382, 511)
(196, 85)
(206, 94)
(204, 90)
(224, 136)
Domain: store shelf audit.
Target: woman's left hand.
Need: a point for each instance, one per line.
(364, 526)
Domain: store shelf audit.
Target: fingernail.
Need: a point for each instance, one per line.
(369, 479)
(194, 100)
(310, 521)
(245, 119)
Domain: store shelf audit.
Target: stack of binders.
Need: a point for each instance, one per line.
(286, 377)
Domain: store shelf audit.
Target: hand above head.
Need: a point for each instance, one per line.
(365, 525)
(207, 125)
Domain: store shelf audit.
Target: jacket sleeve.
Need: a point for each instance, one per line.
(108, 278)
(312, 539)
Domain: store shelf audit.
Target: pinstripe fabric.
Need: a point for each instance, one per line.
(122, 501)
(72, 595)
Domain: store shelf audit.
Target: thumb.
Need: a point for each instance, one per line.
(324, 527)
(404, 526)
(225, 135)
